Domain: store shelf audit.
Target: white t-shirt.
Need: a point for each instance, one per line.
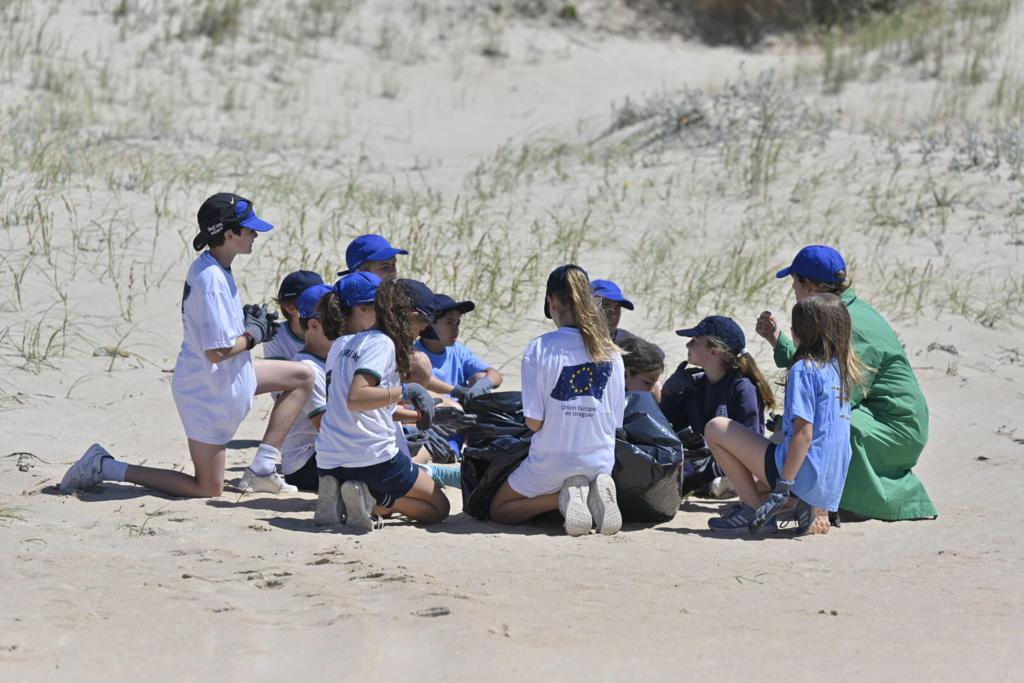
(581, 403)
(364, 438)
(212, 398)
(284, 345)
(300, 444)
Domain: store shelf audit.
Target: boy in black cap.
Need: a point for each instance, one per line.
(215, 379)
(457, 370)
(291, 337)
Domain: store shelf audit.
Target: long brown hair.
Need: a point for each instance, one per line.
(744, 364)
(590, 321)
(332, 315)
(822, 325)
(393, 305)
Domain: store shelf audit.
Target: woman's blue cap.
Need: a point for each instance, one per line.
(310, 297)
(817, 262)
(357, 288)
(606, 289)
(719, 326)
(368, 248)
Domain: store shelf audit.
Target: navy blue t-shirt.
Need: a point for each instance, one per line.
(734, 396)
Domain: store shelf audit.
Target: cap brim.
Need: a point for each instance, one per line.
(385, 254)
(784, 272)
(689, 332)
(199, 241)
(627, 304)
(460, 306)
(254, 222)
(345, 272)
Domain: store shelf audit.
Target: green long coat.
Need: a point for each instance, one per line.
(889, 427)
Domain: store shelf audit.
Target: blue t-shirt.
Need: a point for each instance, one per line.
(812, 392)
(456, 365)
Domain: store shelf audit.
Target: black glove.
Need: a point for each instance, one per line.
(440, 450)
(422, 401)
(680, 381)
(259, 326)
(480, 387)
(771, 506)
(450, 421)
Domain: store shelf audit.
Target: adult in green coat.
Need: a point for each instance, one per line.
(889, 422)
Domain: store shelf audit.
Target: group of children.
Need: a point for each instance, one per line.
(356, 365)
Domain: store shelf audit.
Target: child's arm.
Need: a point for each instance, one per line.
(799, 444)
(220, 355)
(367, 394)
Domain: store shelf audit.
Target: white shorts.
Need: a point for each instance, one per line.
(533, 478)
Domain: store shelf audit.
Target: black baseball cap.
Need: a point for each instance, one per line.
(225, 210)
(719, 326)
(423, 301)
(298, 282)
(444, 303)
(558, 284)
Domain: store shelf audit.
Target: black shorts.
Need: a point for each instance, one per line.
(306, 477)
(771, 470)
(387, 481)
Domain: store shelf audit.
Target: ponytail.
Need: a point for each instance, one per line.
(331, 315)
(744, 364)
(589, 319)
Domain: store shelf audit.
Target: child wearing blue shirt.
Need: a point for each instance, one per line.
(457, 370)
(814, 456)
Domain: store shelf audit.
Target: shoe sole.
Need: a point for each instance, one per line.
(358, 511)
(327, 513)
(572, 501)
(604, 508)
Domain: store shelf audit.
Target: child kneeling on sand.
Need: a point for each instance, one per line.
(813, 458)
(574, 398)
(360, 446)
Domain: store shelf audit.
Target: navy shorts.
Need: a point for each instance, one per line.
(306, 477)
(771, 470)
(387, 481)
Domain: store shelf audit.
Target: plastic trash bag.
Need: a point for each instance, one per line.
(485, 469)
(498, 414)
(648, 463)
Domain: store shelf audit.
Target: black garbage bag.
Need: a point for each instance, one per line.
(485, 469)
(648, 463)
(498, 414)
(436, 442)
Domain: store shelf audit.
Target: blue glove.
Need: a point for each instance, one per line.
(771, 506)
(422, 401)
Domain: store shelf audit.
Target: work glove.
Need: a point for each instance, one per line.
(771, 507)
(450, 421)
(422, 401)
(260, 326)
(480, 387)
(680, 381)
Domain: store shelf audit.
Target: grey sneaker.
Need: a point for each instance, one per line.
(603, 506)
(85, 473)
(358, 502)
(272, 483)
(738, 520)
(572, 503)
(330, 509)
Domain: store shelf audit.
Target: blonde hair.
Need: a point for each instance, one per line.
(590, 321)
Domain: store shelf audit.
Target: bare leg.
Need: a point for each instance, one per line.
(424, 502)
(208, 482)
(510, 507)
(740, 454)
(295, 381)
(422, 456)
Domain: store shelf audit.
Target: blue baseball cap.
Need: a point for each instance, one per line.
(357, 288)
(817, 262)
(719, 326)
(296, 283)
(606, 289)
(225, 210)
(310, 297)
(444, 303)
(557, 283)
(423, 301)
(368, 248)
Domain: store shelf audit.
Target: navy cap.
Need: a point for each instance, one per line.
(225, 210)
(368, 248)
(818, 262)
(444, 303)
(606, 289)
(558, 284)
(310, 297)
(357, 288)
(423, 301)
(719, 326)
(296, 283)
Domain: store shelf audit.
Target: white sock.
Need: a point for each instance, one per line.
(112, 470)
(265, 461)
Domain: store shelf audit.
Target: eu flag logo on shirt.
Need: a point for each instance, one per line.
(586, 379)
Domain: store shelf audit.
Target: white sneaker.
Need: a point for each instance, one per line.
(330, 509)
(358, 502)
(272, 483)
(603, 505)
(721, 487)
(572, 503)
(86, 472)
